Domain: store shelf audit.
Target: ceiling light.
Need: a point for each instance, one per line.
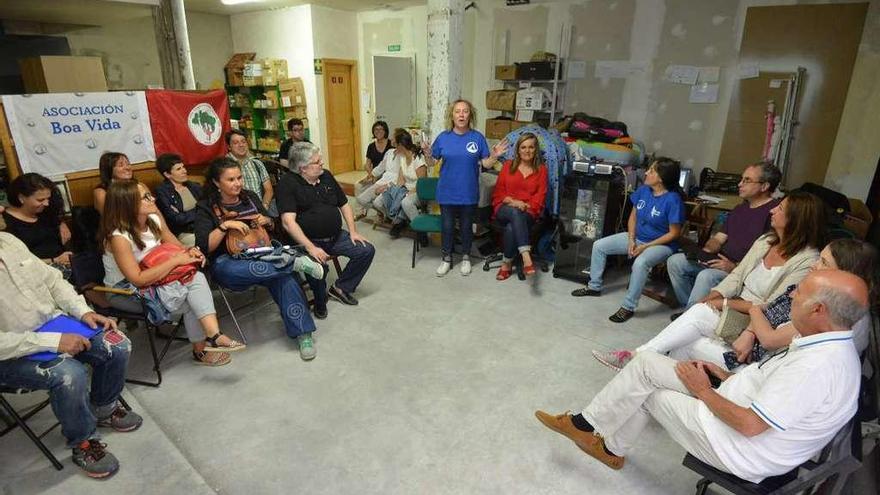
(236, 2)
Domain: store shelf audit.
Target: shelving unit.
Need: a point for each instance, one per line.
(264, 121)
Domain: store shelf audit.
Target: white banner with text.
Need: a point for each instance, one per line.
(59, 133)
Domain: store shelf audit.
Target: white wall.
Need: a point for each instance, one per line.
(334, 35)
(659, 33)
(210, 43)
(283, 33)
(376, 31)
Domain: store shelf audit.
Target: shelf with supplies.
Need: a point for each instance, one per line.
(262, 112)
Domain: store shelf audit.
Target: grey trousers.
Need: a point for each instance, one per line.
(199, 304)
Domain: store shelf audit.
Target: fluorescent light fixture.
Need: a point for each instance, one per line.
(236, 2)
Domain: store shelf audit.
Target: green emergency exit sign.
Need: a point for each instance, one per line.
(393, 48)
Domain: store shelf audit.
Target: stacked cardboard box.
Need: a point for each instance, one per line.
(293, 98)
(274, 71)
(253, 74)
(501, 99)
(57, 74)
(235, 68)
(500, 128)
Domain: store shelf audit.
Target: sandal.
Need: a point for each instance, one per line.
(621, 315)
(211, 358)
(529, 270)
(213, 346)
(503, 274)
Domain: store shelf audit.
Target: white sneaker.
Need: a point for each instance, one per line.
(465, 267)
(444, 268)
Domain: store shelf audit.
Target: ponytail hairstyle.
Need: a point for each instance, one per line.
(669, 171)
(210, 191)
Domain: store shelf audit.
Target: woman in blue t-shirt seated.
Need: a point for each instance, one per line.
(652, 233)
(463, 150)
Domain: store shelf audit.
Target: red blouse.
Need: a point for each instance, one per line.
(531, 189)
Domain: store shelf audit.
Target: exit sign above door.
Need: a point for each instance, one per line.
(393, 48)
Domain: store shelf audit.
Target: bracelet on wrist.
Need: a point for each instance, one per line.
(222, 229)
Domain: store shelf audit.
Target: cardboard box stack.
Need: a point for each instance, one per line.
(253, 74)
(499, 128)
(274, 71)
(235, 68)
(501, 99)
(293, 98)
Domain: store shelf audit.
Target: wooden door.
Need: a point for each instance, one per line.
(341, 106)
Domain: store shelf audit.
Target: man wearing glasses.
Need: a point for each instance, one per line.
(312, 207)
(693, 279)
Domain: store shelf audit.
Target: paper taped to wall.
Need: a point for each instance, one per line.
(704, 93)
(748, 71)
(608, 69)
(682, 74)
(709, 74)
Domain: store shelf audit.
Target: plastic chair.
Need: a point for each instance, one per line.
(835, 463)
(426, 190)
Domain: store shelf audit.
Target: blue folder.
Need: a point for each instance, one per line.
(62, 324)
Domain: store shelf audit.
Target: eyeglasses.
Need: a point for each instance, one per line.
(148, 197)
(747, 180)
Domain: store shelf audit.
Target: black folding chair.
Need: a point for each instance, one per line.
(835, 463)
(88, 277)
(19, 420)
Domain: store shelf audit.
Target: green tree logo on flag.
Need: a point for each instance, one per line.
(204, 124)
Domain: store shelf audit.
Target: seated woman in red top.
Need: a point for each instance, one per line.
(518, 201)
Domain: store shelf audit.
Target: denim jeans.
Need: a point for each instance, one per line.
(239, 275)
(517, 226)
(75, 398)
(691, 281)
(465, 216)
(617, 244)
(393, 200)
(360, 257)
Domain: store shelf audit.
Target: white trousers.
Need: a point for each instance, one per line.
(648, 387)
(691, 336)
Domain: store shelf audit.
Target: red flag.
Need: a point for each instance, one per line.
(189, 124)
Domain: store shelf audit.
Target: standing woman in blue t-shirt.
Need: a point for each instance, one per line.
(463, 150)
(653, 230)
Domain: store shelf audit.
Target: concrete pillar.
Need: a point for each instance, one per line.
(181, 34)
(445, 59)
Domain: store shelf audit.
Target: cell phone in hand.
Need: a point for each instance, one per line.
(714, 380)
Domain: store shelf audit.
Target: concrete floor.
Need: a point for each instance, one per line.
(429, 386)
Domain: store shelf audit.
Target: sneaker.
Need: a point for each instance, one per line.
(306, 347)
(615, 360)
(321, 311)
(444, 268)
(590, 442)
(586, 292)
(465, 267)
(122, 420)
(342, 296)
(211, 358)
(308, 266)
(94, 460)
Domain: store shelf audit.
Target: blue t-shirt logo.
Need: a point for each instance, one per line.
(471, 147)
(655, 212)
(640, 204)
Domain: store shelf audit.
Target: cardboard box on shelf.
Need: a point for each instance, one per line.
(505, 72)
(533, 99)
(235, 68)
(292, 92)
(274, 70)
(295, 112)
(59, 74)
(253, 74)
(501, 99)
(272, 98)
(497, 128)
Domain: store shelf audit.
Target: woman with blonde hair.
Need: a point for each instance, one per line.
(518, 201)
(464, 151)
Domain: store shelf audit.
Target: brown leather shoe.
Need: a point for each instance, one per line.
(590, 443)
